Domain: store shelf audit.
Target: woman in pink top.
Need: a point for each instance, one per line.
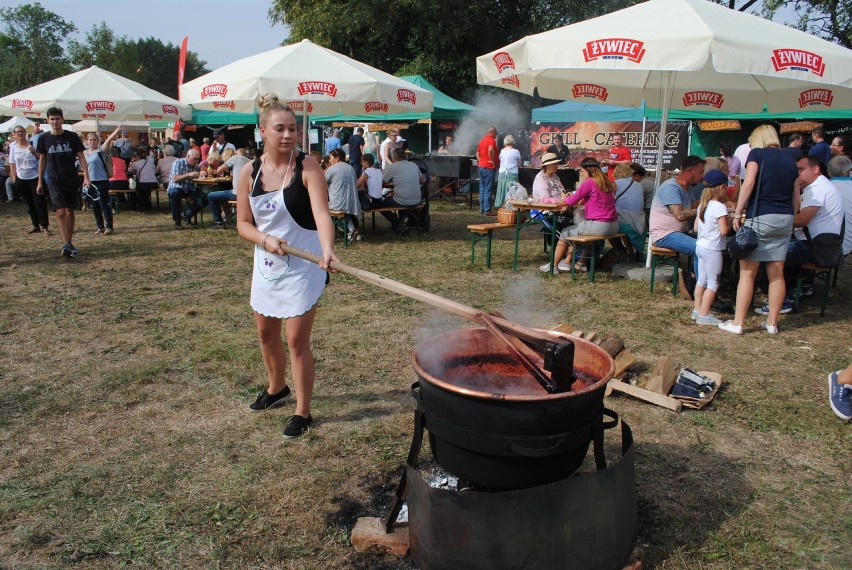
(598, 194)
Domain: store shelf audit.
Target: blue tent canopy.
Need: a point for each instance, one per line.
(576, 112)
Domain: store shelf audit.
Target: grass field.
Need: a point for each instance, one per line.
(125, 437)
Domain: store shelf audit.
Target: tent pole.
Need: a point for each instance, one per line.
(306, 148)
(642, 143)
(661, 145)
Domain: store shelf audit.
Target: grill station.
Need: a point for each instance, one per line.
(455, 172)
(511, 412)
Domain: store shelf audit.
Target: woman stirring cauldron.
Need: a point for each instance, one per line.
(282, 200)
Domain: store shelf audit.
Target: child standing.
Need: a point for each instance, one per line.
(711, 225)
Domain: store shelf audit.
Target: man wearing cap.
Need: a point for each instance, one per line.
(673, 209)
(125, 147)
(487, 163)
(219, 143)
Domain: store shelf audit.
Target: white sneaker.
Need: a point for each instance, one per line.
(562, 266)
(546, 269)
(771, 329)
(708, 320)
(729, 326)
(694, 315)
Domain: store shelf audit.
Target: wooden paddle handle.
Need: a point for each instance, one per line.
(437, 301)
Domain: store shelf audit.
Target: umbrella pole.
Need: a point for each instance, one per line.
(661, 145)
(306, 148)
(642, 143)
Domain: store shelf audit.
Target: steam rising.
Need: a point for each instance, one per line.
(502, 111)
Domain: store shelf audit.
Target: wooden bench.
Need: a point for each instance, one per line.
(416, 210)
(479, 232)
(820, 273)
(665, 256)
(232, 210)
(341, 222)
(591, 241)
(114, 200)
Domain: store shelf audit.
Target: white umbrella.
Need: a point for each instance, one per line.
(329, 82)
(681, 54)
(94, 93)
(309, 78)
(10, 125)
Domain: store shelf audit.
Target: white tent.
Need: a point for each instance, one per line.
(94, 93)
(9, 125)
(89, 126)
(305, 74)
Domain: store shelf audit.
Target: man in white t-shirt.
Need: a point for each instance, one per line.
(840, 170)
(386, 148)
(821, 212)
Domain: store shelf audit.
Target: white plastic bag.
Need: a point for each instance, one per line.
(515, 192)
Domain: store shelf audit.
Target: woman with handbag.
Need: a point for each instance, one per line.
(765, 205)
(99, 162)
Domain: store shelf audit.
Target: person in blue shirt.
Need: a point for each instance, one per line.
(332, 142)
(820, 148)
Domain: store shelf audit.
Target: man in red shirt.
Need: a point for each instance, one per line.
(487, 162)
(618, 154)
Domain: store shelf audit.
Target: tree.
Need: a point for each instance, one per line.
(32, 47)
(829, 19)
(148, 61)
(439, 39)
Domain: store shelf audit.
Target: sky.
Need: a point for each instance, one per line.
(219, 31)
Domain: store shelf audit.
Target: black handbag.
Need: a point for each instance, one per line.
(745, 240)
(742, 243)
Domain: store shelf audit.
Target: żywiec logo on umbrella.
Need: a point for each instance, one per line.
(406, 95)
(816, 98)
(299, 106)
(229, 104)
(22, 104)
(100, 116)
(92, 106)
(703, 99)
(614, 48)
(798, 60)
(170, 110)
(150, 117)
(219, 90)
(511, 80)
(589, 91)
(375, 107)
(317, 88)
(503, 61)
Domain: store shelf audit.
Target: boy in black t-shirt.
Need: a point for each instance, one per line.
(57, 152)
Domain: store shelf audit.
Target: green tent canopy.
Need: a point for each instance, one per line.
(446, 108)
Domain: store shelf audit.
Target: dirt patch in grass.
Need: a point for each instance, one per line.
(125, 377)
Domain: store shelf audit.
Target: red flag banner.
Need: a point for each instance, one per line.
(182, 60)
